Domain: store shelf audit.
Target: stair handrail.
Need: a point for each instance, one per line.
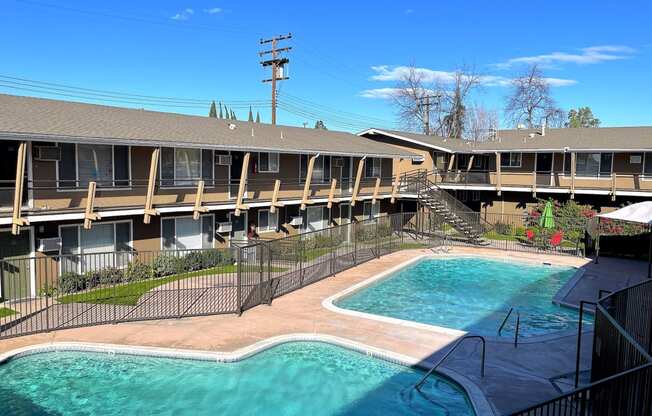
(449, 352)
(518, 324)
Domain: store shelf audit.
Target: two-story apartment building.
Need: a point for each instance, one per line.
(82, 178)
(604, 167)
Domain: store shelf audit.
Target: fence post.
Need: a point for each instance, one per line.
(332, 251)
(179, 298)
(260, 273)
(301, 254)
(377, 239)
(269, 275)
(239, 281)
(355, 243)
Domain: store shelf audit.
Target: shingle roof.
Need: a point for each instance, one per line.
(560, 139)
(54, 120)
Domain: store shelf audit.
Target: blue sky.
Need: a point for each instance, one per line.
(345, 54)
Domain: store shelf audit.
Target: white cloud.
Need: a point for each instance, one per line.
(408, 11)
(585, 56)
(214, 10)
(386, 73)
(184, 14)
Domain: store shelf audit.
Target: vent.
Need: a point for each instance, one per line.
(47, 153)
(224, 160)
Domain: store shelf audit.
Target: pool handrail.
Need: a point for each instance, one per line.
(518, 324)
(453, 348)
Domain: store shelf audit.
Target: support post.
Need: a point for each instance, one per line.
(199, 209)
(374, 198)
(498, 175)
(356, 186)
(331, 194)
(613, 186)
(151, 183)
(242, 186)
(275, 204)
(305, 199)
(534, 183)
(468, 167)
(89, 215)
(17, 220)
(573, 170)
(451, 162)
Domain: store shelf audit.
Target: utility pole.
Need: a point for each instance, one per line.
(277, 63)
(424, 103)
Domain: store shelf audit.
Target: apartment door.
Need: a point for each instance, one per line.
(235, 172)
(346, 175)
(544, 168)
(16, 280)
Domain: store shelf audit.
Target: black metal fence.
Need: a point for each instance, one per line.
(621, 371)
(66, 291)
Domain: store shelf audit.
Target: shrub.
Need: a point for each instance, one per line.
(193, 261)
(110, 275)
(70, 282)
(48, 291)
(92, 279)
(137, 270)
(503, 228)
(212, 258)
(519, 231)
(167, 264)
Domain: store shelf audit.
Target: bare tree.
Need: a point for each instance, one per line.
(435, 107)
(530, 102)
(480, 122)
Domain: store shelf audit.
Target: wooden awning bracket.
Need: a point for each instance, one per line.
(331, 194)
(358, 177)
(305, 199)
(498, 175)
(242, 186)
(199, 197)
(374, 198)
(89, 214)
(275, 204)
(17, 219)
(151, 184)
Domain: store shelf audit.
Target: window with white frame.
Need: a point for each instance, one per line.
(373, 167)
(103, 245)
(321, 170)
(589, 164)
(267, 221)
(186, 166)
(268, 162)
(185, 233)
(510, 160)
(107, 165)
(370, 211)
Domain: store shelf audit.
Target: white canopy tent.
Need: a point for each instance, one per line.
(640, 213)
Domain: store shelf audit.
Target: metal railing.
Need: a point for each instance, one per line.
(518, 325)
(46, 293)
(621, 370)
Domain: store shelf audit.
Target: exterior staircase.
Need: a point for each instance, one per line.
(444, 206)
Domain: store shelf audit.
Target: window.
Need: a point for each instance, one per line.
(321, 171)
(589, 164)
(104, 245)
(371, 211)
(510, 160)
(185, 167)
(316, 218)
(372, 167)
(185, 233)
(106, 165)
(267, 221)
(268, 162)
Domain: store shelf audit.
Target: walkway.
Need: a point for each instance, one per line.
(514, 378)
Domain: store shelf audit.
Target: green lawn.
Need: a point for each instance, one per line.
(492, 235)
(4, 312)
(129, 293)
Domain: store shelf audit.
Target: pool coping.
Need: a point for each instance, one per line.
(477, 399)
(329, 302)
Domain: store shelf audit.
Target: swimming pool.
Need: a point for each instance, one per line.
(471, 294)
(295, 378)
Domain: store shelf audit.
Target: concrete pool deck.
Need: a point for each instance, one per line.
(515, 377)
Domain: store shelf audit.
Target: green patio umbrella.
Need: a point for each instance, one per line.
(547, 220)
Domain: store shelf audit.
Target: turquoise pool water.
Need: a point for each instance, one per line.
(299, 378)
(471, 294)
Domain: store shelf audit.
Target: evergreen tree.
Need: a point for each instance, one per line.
(319, 125)
(213, 111)
(582, 117)
(257, 117)
(233, 117)
(221, 114)
(251, 115)
(227, 115)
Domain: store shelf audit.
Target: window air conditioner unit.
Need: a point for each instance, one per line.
(47, 153)
(635, 159)
(49, 244)
(224, 160)
(224, 227)
(338, 162)
(296, 220)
